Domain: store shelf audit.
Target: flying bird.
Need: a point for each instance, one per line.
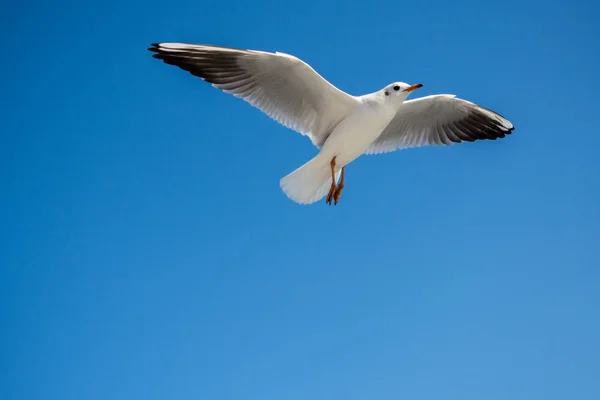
(341, 126)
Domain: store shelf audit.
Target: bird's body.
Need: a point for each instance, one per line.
(342, 126)
(346, 142)
(358, 130)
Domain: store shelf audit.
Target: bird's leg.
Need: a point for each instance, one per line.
(332, 189)
(339, 188)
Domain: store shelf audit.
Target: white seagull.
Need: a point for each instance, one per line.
(340, 125)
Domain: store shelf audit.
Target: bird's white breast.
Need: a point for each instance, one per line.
(357, 131)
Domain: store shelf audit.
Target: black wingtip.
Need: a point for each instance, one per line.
(154, 47)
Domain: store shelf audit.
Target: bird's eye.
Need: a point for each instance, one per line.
(396, 88)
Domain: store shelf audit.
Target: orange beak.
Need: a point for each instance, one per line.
(413, 87)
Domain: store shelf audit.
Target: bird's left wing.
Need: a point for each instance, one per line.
(282, 86)
(439, 120)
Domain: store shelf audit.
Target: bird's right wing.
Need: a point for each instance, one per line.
(439, 120)
(282, 86)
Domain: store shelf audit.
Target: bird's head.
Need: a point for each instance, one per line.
(399, 90)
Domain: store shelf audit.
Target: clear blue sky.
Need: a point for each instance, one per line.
(147, 252)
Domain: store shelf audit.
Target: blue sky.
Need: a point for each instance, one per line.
(147, 251)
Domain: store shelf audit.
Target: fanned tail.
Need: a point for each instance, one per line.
(310, 182)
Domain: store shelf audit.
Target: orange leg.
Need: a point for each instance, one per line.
(340, 187)
(332, 189)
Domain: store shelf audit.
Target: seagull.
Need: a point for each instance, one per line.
(340, 125)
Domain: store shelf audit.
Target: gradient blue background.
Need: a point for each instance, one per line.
(147, 251)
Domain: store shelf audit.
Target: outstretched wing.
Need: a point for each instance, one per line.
(282, 86)
(439, 120)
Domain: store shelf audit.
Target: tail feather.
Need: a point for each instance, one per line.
(310, 182)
